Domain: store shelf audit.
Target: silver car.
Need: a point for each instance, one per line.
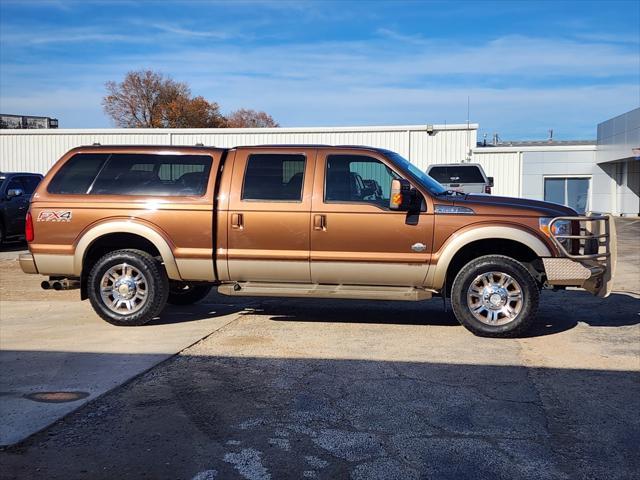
(461, 177)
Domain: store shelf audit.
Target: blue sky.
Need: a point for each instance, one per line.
(526, 67)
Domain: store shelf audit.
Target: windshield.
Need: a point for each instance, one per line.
(416, 174)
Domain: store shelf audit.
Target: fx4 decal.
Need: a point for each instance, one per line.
(55, 216)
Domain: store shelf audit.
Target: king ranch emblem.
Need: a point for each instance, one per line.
(55, 216)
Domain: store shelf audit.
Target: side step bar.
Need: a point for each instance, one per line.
(353, 292)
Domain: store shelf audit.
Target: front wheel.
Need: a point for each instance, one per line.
(495, 296)
(128, 287)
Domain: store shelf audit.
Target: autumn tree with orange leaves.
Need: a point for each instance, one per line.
(147, 99)
(247, 118)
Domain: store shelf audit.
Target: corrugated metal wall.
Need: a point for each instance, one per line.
(505, 168)
(38, 150)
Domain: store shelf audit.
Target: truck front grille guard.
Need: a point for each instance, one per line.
(595, 239)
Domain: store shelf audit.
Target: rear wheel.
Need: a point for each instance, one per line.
(128, 287)
(495, 296)
(184, 293)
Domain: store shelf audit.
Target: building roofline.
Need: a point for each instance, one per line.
(235, 131)
(537, 148)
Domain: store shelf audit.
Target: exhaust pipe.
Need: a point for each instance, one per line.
(66, 284)
(58, 285)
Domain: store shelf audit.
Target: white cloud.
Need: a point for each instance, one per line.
(518, 85)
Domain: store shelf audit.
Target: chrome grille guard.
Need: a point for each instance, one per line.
(597, 237)
(597, 250)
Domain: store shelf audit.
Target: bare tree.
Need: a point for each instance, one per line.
(148, 99)
(247, 118)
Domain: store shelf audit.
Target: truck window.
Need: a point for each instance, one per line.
(357, 178)
(76, 176)
(274, 176)
(29, 183)
(453, 174)
(149, 174)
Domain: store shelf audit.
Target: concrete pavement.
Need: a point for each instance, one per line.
(61, 345)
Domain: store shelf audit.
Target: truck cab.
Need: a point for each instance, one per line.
(135, 227)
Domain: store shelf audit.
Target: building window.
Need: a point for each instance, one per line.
(572, 192)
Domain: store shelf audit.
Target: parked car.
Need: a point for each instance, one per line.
(135, 227)
(15, 193)
(462, 177)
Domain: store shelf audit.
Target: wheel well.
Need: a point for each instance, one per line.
(493, 246)
(108, 243)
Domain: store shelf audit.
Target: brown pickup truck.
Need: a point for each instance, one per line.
(135, 227)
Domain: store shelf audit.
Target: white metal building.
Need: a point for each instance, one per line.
(602, 176)
(37, 150)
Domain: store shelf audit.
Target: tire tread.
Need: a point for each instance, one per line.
(509, 331)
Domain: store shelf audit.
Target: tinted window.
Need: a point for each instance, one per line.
(161, 175)
(77, 174)
(578, 193)
(30, 182)
(554, 190)
(357, 178)
(274, 177)
(14, 184)
(572, 192)
(462, 174)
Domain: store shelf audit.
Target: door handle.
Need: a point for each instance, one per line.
(237, 221)
(320, 222)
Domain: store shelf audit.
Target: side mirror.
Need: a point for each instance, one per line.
(400, 198)
(490, 181)
(15, 192)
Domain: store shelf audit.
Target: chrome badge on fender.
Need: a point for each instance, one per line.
(55, 216)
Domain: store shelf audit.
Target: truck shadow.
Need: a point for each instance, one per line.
(200, 411)
(558, 312)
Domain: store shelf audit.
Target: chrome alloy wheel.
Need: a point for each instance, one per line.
(495, 298)
(123, 289)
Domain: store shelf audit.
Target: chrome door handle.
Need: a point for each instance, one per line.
(418, 247)
(320, 222)
(237, 221)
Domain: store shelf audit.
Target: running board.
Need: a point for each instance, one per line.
(354, 292)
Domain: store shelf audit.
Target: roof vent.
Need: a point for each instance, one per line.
(96, 144)
(199, 144)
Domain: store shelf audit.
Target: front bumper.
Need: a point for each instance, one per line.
(27, 264)
(593, 267)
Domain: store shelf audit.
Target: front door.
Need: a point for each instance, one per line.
(269, 215)
(355, 238)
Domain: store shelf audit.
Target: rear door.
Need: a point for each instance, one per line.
(355, 238)
(269, 215)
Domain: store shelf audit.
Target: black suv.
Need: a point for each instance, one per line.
(15, 193)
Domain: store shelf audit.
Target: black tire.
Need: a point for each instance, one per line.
(184, 293)
(526, 306)
(156, 283)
